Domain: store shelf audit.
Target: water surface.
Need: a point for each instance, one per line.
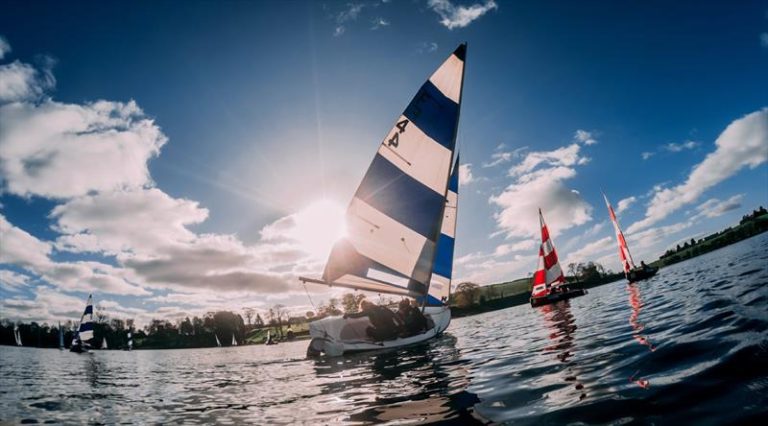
(687, 346)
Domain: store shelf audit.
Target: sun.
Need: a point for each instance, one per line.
(318, 227)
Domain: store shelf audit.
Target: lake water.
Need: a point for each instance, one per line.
(689, 346)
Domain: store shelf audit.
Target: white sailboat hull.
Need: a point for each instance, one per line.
(336, 336)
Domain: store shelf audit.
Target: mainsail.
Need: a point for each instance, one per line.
(548, 273)
(440, 287)
(130, 341)
(104, 343)
(395, 218)
(17, 335)
(626, 258)
(234, 342)
(85, 331)
(217, 340)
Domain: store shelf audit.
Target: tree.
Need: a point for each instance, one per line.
(258, 321)
(248, 314)
(466, 294)
(351, 301)
(572, 269)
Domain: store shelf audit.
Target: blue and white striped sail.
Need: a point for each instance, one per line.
(442, 271)
(85, 332)
(394, 219)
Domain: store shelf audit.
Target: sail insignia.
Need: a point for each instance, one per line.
(394, 220)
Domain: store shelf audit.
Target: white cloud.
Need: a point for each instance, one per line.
(12, 281)
(744, 143)
(348, 14)
(5, 47)
(565, 156)
(379, 23)
(584, 137)
(646, 155)
(625, 204)
(764, 40)
(465, 174)
(540, 183)
(453, 16)
(500, 157)
(138, 221)
(22, 82)
(678, 147)
(57, 150)
(528, 245)
(21, 248)
(713, 207)
(590, 251)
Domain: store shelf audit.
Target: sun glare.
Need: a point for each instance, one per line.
(319, 226)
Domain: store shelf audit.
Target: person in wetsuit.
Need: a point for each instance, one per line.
(385, 324)
(414, 322)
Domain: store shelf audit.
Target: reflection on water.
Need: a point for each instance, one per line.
(562, 327)
(698, 331)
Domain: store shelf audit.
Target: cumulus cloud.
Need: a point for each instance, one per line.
(59, 150)
(584, 137)
(23, 82)
(453, 16)
(138, 221)
(714, 207)
(744, 143)
(590, 251)
(5, 47)
(520, 246)
(12, 281)
(539, 182)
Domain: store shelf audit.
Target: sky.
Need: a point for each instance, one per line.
(175, 158)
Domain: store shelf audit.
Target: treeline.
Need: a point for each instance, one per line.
(750, 225)
(43, 335)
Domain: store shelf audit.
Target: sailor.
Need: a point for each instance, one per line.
(385, 324)
(643, 265)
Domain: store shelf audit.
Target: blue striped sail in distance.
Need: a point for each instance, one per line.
(442, 271)
(395, 218)
(85, 332)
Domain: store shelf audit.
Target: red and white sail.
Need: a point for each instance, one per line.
(626, 258)
(548, 274)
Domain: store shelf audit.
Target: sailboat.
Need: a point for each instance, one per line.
(234, 341)
(632, 272)
(549, 284)
(217, 340)
(269, 340)
(401, 220)
(130, 341)
(61, 337)
(85, 331)
(104, 343)
(17, 335)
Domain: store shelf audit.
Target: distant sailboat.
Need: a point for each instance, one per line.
(17, 335)
(269, 340)
(549, 284)
(218, 343)
(632, 272)
(130, 341)
(80, 343)
(61, 337)
(399, 224)
(104, 343)
(234, 342)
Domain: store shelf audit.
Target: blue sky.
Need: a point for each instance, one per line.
(169, 157)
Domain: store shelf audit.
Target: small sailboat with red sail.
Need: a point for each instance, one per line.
(549, 283)
(632, 272)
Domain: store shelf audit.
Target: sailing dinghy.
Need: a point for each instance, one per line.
(234, 341)
(632, 272)
(218, 343)
(80, 343)
(402, 219)
(549, 284)
(17, 335)
(104, 343)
